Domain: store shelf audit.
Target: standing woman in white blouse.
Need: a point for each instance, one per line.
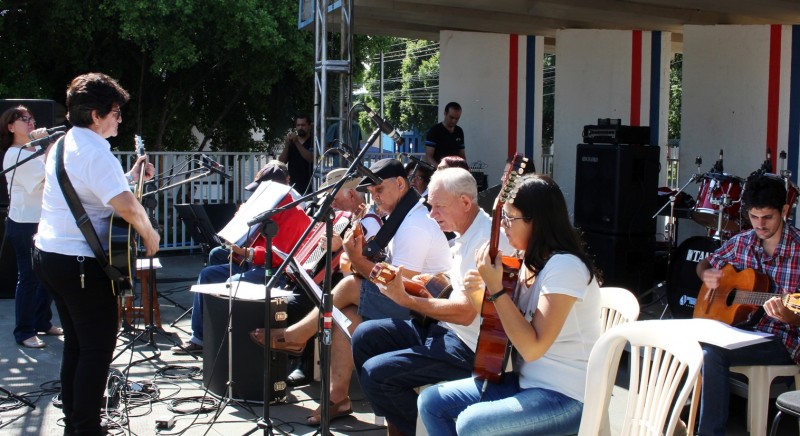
(25, 187)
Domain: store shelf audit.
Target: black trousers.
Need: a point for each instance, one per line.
(90, 320)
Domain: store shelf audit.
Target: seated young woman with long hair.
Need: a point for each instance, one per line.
(552, 319)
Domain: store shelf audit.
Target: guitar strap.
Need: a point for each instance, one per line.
(83, 222)
(388, 229)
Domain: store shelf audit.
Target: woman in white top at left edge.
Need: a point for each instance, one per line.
(25, 187)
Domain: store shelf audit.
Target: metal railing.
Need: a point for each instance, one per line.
(178, 172)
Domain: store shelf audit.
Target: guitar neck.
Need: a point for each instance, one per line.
(753, 298)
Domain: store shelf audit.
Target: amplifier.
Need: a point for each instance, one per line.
(612, 133)
(481, 179)
(247, 362)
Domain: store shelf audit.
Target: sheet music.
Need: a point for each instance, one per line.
(716, 333)
(338, 317)
(267, 196)
(241, 290)
(145, 263)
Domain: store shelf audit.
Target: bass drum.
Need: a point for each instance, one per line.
(683, 285)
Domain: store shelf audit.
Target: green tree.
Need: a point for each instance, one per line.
(225, 67)
(675, 92)
(411, 81)
(548, 98)
(420, 86)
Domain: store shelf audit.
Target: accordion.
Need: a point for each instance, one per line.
(310, 253)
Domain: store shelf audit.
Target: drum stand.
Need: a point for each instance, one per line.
(723, 203)
(670, 231)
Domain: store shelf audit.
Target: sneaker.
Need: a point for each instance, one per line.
(187, 347)
(33, 342)
(296, 378)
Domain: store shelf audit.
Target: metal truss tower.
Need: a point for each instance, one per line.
(327, 70)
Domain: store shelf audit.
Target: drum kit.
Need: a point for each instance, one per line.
(718, 209)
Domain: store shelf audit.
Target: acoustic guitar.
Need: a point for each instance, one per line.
(122, 237)
(739, 294)
(358, 232)
(423, 286)
(494, 347)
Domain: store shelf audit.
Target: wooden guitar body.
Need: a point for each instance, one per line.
(493, 343)
(738, 294)
(429, 286)
(492, 351)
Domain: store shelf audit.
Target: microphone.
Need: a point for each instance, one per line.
(42, 132)
(420, 162)
(263, 216)
(214, 166)
(383, 125)
(361, 169)
(766, 167)
(717, 167)
(45, 141)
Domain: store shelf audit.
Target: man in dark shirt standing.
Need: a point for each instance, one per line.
(298, 154)
(445, 138)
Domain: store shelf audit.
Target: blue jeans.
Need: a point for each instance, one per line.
(374, 305)
(32, 300)
(504, 410)
(218, 256)
(715, 394)
(219, 274)
(394, 356)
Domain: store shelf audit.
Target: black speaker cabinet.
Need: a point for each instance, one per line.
(247, 361)
(626, 261)
(44, 111)
(615, 188)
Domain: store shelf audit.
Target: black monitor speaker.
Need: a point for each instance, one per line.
(626, 261)
(616, 188)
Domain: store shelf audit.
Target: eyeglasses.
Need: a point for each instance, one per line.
(117, 113)
(506, 220)
(27, 119)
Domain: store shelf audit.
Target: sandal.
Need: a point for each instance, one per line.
(336, 410)
(33, 342)
(54, 331)
(277, 342)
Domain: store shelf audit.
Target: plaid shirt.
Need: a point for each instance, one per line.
(783, 268)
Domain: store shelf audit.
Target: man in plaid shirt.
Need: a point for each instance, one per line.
(772, 247)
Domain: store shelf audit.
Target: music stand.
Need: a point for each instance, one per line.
(195, 218)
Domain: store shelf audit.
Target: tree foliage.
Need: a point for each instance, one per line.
(226, 67)
(411, 81)
(675, 93)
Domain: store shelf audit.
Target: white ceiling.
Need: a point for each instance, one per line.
(425, 18)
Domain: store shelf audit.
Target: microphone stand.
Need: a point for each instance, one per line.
(269, 229)
(150, 203)
(324, 212)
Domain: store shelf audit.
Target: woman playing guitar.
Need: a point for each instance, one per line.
(552, 322)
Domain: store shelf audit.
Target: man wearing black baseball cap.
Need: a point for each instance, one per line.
(416, 243)
(384, 169)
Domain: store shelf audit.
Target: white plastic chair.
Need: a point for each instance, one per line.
(759, 380)
(663, 373)
(617, 306)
